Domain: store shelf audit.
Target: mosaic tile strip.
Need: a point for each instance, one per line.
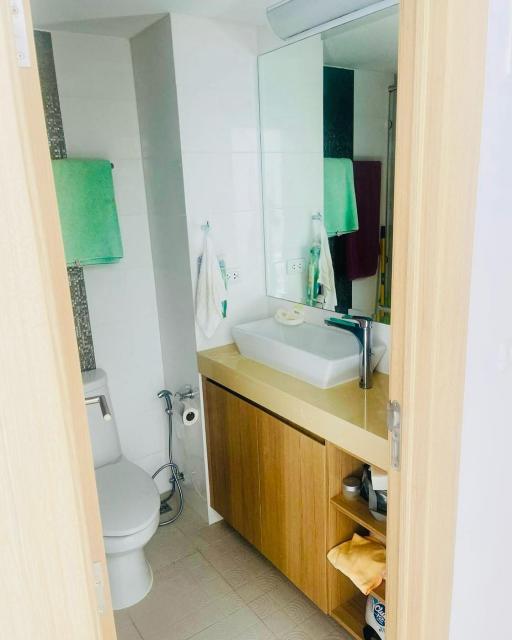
(57, 144)
(81, 315)
(49, 90)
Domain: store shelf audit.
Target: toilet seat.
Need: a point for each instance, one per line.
(128, 497)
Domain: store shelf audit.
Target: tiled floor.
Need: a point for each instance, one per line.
(212, 585)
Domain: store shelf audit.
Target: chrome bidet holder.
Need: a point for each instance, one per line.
(167, 396)
(185, 393)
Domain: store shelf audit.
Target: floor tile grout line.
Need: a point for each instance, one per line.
(139, 633)
(214, 548)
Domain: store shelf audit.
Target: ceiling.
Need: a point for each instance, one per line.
(56, 13)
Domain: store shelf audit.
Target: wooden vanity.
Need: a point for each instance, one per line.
(278, 450)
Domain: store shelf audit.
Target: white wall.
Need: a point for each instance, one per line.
(292, 139)
(159, 128)
(482, 560)
(95, 81)
(216, 76)
(267, 39)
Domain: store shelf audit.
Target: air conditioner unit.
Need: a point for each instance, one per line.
(292, 17)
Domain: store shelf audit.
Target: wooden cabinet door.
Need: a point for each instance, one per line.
(293, 505)
(232, 435)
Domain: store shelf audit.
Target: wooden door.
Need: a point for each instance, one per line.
(293, 505)
(52, 550)
(441, 72)
(233, 460)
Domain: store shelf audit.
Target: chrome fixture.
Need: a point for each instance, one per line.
(175, 474)
(102, 401)
(290, 18)
(167, 395)
(361, 328)
(186, 393)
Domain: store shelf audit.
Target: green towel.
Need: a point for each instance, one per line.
(340, 208)
(87, 208)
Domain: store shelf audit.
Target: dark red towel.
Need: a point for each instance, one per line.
(362, 247)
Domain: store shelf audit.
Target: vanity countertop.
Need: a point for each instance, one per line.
(347, 416)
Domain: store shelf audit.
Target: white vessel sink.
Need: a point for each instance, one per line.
(322, 356)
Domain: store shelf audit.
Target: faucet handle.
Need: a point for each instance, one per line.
(349, 322)
(365, 322)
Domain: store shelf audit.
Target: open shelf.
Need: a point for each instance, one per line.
(347, 605)
(351, 615)
(357, 510)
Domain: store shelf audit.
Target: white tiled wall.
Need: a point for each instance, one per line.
(291, 91)
(95, 80)
(159, 128)
(216, 77)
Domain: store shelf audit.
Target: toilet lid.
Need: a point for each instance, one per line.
(129, 499)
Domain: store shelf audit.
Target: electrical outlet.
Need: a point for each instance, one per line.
(233, 275)
(298, 265)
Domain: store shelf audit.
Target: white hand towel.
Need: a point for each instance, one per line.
(211, 291)
(326, 272)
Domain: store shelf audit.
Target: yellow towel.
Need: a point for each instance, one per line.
(363, 560)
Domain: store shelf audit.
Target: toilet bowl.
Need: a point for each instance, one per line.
(130, 511)
(129, 503)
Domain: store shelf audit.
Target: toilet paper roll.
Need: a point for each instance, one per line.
(189, 412)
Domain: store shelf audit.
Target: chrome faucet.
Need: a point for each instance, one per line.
(361, 328)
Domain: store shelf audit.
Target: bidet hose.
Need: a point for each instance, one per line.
(175, 478)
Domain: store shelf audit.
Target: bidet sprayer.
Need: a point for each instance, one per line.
(167, 395)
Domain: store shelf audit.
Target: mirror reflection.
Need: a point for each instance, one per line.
(328, 111)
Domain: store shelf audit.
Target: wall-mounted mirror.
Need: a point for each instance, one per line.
(327, 108)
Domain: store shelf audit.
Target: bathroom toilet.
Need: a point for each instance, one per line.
(128, 497)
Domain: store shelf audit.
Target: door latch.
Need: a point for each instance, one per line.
(19, 28)
(394, 425)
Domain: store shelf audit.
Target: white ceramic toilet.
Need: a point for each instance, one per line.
(129, 501)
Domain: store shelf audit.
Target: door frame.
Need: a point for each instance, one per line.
(55, 582)
(441, 83)
(45, 450)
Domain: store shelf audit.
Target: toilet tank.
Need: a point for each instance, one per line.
(104, 436)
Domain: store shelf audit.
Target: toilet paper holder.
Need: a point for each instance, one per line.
(188, 392)
(188, 409)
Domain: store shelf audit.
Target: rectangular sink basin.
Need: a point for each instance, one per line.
(321, 356)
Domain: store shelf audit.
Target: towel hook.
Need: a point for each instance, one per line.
(316, 216)
(206, 227)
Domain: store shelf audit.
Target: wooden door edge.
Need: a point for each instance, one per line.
(52, 364)
(441, 85)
